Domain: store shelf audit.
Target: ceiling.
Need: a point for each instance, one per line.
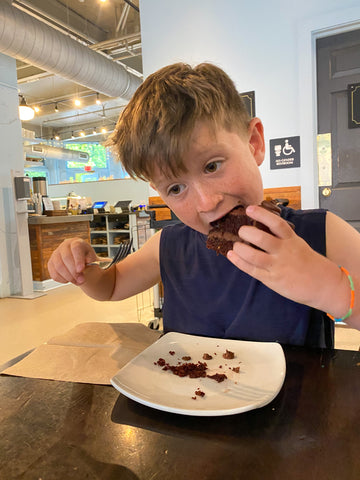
(110, 28)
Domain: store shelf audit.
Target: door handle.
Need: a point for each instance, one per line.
(326, 192)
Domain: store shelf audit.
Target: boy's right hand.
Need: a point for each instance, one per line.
(67, 263)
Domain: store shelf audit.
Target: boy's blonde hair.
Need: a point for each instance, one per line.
(155, 127)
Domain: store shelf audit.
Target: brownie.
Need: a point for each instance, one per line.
(224, 231)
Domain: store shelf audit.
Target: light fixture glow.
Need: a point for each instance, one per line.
(82, 134)
(77, 102)
(25, 112)
(103, 130)
(56, 108)
(98, 101)
(37, 109)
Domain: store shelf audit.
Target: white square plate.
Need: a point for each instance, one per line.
(262, 373)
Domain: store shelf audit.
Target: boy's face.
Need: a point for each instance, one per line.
(222, 172)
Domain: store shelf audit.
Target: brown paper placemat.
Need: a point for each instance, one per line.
(88, 353)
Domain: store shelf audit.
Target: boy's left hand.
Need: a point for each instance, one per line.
(285, 263)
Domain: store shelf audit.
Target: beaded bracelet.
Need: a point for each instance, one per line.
(352, 298)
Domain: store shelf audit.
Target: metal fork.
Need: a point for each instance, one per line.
(122, 252)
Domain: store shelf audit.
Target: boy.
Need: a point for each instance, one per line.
(187, 132)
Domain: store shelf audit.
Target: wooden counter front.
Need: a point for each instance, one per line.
(46, 233)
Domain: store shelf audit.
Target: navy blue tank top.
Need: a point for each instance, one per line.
(205, 294)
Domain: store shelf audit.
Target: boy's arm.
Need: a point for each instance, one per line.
(289, 266)
(343, 248)
(136, 273)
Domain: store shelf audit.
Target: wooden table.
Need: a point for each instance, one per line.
(59, 430)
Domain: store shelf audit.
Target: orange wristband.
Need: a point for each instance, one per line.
(352, 298)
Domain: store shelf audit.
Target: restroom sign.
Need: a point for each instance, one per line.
(285, 152)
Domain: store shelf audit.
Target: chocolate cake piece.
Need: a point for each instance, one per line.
(224, 231)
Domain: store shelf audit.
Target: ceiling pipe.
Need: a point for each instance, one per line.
(30, 40)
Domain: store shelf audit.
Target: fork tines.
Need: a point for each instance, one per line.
(123, 251)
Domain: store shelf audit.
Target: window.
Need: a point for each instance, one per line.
(101, 166)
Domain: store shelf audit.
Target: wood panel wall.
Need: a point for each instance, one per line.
(45, 238)
(293, 194)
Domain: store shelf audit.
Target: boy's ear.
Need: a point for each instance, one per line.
(256, 140)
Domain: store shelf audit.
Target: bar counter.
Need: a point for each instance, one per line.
(47, 232)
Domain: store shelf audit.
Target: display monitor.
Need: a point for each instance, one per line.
(99, 205)
(123, 204)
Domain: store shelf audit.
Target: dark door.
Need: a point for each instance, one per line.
(338, 67)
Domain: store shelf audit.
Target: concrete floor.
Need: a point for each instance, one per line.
(25, 324)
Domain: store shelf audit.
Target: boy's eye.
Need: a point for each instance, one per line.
(213, 166)
(175, 189)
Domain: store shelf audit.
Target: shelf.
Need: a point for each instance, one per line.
(111, 233)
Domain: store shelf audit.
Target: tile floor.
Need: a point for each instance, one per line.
(25, 324)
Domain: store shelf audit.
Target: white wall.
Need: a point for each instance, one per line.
(264, 46)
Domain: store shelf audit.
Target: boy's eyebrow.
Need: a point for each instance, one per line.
(209, 150)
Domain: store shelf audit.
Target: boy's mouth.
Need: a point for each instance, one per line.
(214, 222)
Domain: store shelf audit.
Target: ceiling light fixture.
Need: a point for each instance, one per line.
(77, 102)
(98, 101)
(56, 108)
(25, 112)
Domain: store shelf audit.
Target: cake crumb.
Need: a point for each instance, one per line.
(228, 355)
(219, 377)
(207, 356)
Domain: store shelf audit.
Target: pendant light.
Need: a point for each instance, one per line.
(25, 112)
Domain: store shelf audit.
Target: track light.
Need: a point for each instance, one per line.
(56, 108)
(25, 112)
(98, 101)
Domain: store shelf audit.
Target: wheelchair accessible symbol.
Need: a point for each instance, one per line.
(287, 149)
(285, 152)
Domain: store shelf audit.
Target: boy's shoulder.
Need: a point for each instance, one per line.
(310, 225)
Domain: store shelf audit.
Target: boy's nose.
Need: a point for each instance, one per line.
(207, 200)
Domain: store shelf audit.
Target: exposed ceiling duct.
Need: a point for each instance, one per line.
(30, 40)
(48, 152)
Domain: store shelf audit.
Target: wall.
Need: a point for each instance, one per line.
(264, 46)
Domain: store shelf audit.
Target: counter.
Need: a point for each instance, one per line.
(46, 233)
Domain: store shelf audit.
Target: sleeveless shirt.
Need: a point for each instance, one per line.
(205, 294)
